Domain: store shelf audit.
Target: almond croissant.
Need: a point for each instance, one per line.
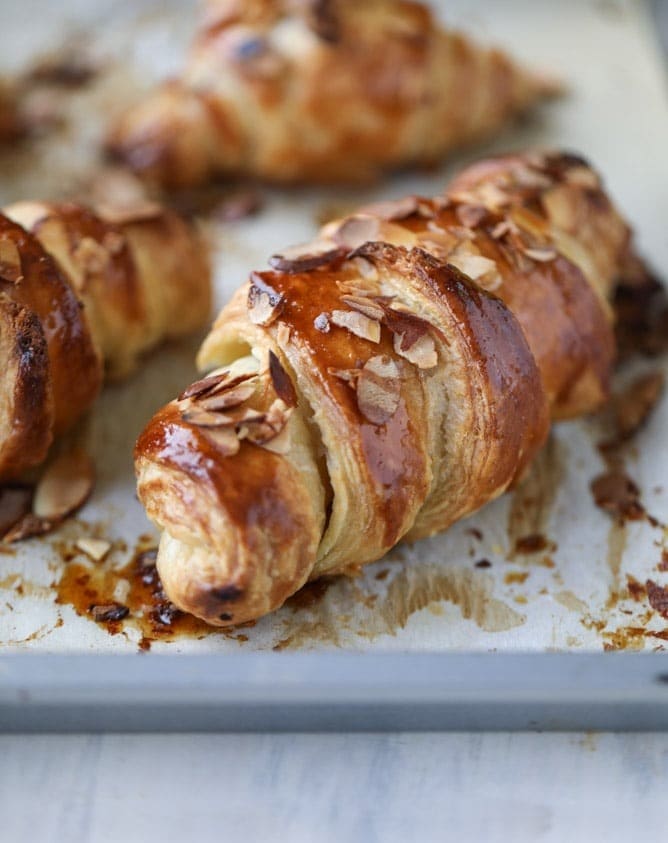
(80, 290)
(320, 90)
(383, 382)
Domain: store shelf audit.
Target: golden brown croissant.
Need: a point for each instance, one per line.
(383, 382)
(320, 90)
(80, 290)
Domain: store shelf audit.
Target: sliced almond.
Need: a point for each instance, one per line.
(222, 400)
(97, 549)
(526, 177)
(365, 305)
(224, 438)
(11, 269)
(14, 504)
(422, 353)
(562, 207)
(321, 323)
(475, 266)
(264, 303)
(502, 228)
(583, 177)
(379, 389)
(356, 230)
(276, 418)
(404, 323)
(470, 215)
(396, 209)
(137, 211)
(283, 334)
(306, 257)
(27, 527)
(540, 255)
(200, 417)
(282, 383)
(65, 485)
(365, 268)
(348, 375)
(358, 324)
(201, 387)
(279, 444)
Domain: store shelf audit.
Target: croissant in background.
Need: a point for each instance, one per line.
(383, 382)
(320, 90)
(81, 290)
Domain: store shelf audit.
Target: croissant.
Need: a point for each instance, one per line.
(320, 90)
(383, 382)
(81, 290)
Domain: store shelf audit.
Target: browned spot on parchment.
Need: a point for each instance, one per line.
(532, 501)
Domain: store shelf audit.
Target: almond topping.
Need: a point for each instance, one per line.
(356, 230)
(264, 303)
(10, 262)
(358, 324)
(504, 227)
(14, 504)
(365, 305)
(470, 215)
(525, 177)
(394, 209)
(224, 399)
(379, 389)
(194, 414)
(97, 549)
(279, 444)
(541, 255)
(583, 177)
(350, 376)
(65, 485)
(138, 211)
(321, 323)
(282, 382)
(307, 257)
(475, 266)
(365, 268)
(224, 438)
(283, 334)
(201, 387)
(113, 242)
(422, 353)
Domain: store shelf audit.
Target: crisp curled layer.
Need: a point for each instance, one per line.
(314, 91)
(82, 291)
(383, 381)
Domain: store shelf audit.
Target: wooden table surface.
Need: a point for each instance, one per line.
(367, 788)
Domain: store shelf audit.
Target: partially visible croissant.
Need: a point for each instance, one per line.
(383, 382)
(320, 90)
(80, 290)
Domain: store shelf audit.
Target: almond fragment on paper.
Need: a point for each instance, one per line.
(65, 485)
(96, 549)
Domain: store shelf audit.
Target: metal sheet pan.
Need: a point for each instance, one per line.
(427, 598)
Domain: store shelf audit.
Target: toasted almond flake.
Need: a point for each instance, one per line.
(404, 323)
(264, 303)
(65, 485)
(365, 268)
(228, 398)
(281, 381)
(224, 438)
(27, 527)
(358, 324)
(14, 504)
(201, 387)
(502, 228)
(470, 215)
(321, 323)
(283, 334)
(200, 417)
(541, 255)
(562, 207)
(353, 231)
(475, 266)
(526, 177)
(365, 305)
(306, 257)
(439, 243)
(348, 375)
(276, 418)
(279, 444)
(528, 221)
(97, 549)
(114, 242)
(91, 256)
(393, 209)
(138, 211)
(425, 209)
(583, 177)
(422, 353)
(10, 261)
(379, 389)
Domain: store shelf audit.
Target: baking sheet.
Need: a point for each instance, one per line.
(430, 596)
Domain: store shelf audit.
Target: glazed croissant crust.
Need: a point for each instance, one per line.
(320, 90)
(81, 290)
(383, 381)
